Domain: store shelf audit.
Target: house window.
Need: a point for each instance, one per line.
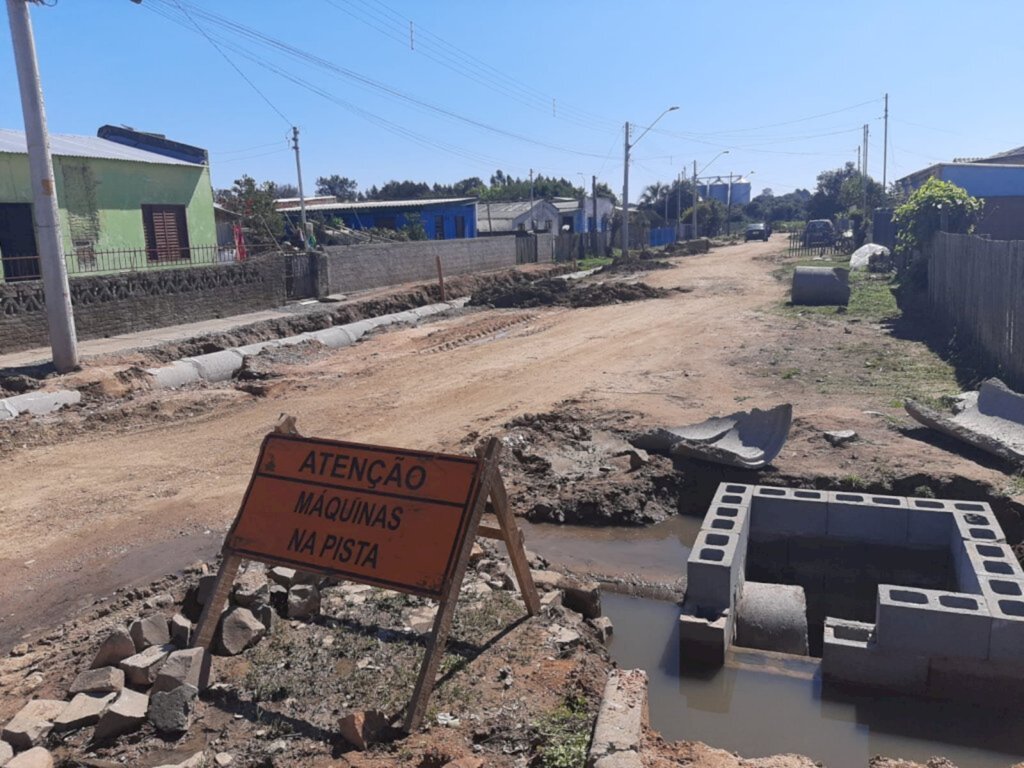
(460, 226)
(18, 255)
(439, 227)
(166, 232)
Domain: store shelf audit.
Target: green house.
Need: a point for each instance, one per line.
(128, 201)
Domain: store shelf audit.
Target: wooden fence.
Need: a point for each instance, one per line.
(976, 287)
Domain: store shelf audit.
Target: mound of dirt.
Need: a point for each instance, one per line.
(642, 264)
(551, 292)
(570, 467)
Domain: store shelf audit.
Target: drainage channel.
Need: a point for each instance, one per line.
(762, 704)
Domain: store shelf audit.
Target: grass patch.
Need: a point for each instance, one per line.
(1016, 486)
(563, 735)
(593, 262)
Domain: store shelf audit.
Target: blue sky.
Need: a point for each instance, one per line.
(531, 84)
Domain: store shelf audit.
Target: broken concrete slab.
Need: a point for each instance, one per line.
(181, 630)
(839, 437)
(745, 439)
(584, 597)
(102, 680)
(37, 403)
(32, 723)
(620, 719)
(83, 710)
(993, 421)
(37, 757)
(772, 617)
(124, 715)
(817, 286)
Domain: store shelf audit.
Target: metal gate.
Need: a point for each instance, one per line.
(299, 276)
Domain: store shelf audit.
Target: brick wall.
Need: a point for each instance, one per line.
(106, 305)
(358, 267)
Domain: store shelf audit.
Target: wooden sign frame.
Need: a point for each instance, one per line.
(488, 484)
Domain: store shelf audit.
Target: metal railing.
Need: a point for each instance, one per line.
(800, 244)
(84, 260)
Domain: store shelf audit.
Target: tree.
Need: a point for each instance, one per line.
(263, 224)
(284, 190)
(341, 187)
(936, 205)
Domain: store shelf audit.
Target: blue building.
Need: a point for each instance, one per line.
(998, 179)
(447, 218)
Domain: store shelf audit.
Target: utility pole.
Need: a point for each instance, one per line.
(625, 198)
(885, 145)
(302, 196)
(693, 234)
(59, 315)
(860, 165)
(728, 207)
(595, 233)
(533, 219)
(679, 198)
(864, 177)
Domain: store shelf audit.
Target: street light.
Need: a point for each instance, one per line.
(695, 174)
(625, 180)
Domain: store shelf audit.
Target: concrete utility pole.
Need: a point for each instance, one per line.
(864, 177)
(625, 198)
(302, 196)
(625, 179)
(693, 235)
(59, 315)
(885, 145)
(728, 207)
(594, 235)
(533, 219)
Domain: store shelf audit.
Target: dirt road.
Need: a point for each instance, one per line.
(118, 503)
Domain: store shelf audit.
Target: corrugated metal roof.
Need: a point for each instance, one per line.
(406, 204)
(64, 145)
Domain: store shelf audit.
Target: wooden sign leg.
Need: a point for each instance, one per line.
(210, 616)
(513, 536)
(446, 610)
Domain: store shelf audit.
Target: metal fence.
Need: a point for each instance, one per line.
(662, 236)
(801, 245)
(86, 261)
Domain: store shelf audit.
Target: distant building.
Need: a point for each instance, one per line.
(723, 190)
(504, 218)
(442, 218)
(581, 219)
(998, 179)
(128, 200)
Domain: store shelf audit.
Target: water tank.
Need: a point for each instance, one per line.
(719, 190)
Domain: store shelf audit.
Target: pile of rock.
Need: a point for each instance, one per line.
(147, 671)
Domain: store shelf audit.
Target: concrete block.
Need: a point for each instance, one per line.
(32, 723)
(928, 622)
(334, 338)
(37, 757)
(126, 714)
(850, 656)
(704, 636)
(102, 680)
(929, 523)
(141, 669)
(83, 710)
(714, 570)
(820, 286)
(729, 518)
(976, 526)
(772, 617)
(218, 366)
(787, 512)
(733, 494)
(867, 517)
(1006, 604)
(180, 373)
(974, 560)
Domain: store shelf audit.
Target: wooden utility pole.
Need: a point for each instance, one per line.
(594, 234)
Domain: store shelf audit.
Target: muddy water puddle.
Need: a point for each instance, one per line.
(765, 704)
(655, 553)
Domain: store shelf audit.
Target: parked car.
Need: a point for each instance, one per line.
(819, 232)
(757, 232)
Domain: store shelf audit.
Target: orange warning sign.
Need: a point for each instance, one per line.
(385, 516)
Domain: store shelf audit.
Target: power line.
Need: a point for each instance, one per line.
(229, 61)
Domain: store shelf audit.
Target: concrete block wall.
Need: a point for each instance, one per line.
(976, 631)
(359, 267)
(107, 305)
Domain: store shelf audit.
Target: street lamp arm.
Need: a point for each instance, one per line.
(648, 128)
(723, 152)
